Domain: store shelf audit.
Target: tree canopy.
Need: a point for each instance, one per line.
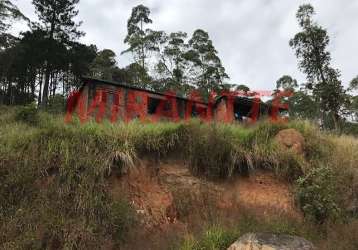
(47, 61)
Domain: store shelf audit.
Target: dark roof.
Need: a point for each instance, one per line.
(239, 100)
(86, 79)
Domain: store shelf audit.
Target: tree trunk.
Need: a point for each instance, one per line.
(45, 88)
(54, 84)
(40, 90)
(48, 66)
(141, 28)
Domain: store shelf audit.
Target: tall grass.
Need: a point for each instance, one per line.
(53, 175)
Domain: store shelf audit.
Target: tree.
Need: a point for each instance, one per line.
(208, 73)
(81, 58)
(353, 85)
(302, 105)
(352, 100)
(172, 66)
(20, 67)
(286, 82)
(310, 46)
(56, 17)
(104, 64)
(133, 75)
(242, 87)
(137, 37)
(8, 13)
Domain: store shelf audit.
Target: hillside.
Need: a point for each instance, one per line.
(170, 185)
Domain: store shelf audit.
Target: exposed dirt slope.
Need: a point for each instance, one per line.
(168, 197)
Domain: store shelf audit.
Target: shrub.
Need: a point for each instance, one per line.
(122, 218)
(316, 195)
(56, 104)
(28, 114)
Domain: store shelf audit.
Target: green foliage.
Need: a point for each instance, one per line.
(103, 65)
(123, 218)
(64, 27)
(59, 32)
(353, 85)
(204, 55)
(53, 175)
(212, 150)
(286, 82)
(8, 13)
(310, 46)
(242, 87)
(138, 38)
(316, 195)
(217, 237)
(214, 238)
(56, 104)
(303, 106)
(350, 128)
(28, 114)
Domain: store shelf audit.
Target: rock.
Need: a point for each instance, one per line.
(291, 139)
(268, 241)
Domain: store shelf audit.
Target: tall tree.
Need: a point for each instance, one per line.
(172, 66)
(80, 57)
(310, 46)
(137, 37)
(209, 73)
(57, 19)
(8, 13)
(104, 65)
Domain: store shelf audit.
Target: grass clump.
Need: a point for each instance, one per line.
(213, 238)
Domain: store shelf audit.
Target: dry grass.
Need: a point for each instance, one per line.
(53, 176)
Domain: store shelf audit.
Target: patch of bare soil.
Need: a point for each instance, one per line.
(261, 191)
(166, 196)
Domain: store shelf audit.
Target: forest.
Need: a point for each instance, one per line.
(44, 64)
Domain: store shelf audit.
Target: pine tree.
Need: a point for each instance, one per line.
(56, 17)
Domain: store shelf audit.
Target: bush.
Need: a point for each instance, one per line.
(316, 195)
(350, 128)
(56, 104)
(28, 114)
(122, 217)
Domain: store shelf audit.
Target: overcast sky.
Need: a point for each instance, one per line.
(251, 36)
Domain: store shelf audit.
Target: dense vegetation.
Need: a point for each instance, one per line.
(54, 176)
(45, 63)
